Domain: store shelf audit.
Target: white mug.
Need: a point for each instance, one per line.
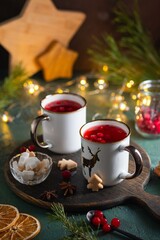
(60, 130)
(110, 161)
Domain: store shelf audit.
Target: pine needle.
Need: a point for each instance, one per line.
(12, 87)
(133, 55)
(77, 228)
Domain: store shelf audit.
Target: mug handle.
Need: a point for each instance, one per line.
(138, 162)
(97, 116)
(33, 131)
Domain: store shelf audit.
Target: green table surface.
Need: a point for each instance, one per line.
(134, 218)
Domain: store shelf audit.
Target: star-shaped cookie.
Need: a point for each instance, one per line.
(29, 34)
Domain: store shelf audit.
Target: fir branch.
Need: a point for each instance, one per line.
(12, 88)
(133, 55)
(136, 38)
(14, 82)
(79, 230)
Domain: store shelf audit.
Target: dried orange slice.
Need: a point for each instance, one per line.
(25, 228)
(8, 216)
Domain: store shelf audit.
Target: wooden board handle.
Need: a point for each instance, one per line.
(150, 201)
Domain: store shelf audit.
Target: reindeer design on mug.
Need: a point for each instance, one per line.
(90, 163)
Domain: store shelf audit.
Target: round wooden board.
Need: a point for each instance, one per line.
(85, 199)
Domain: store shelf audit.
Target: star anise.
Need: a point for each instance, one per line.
(48, 195)
(69, 189)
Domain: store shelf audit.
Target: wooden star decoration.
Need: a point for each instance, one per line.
(28, 35)
(57, 62)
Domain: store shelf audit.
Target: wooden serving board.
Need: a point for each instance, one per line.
(84, 199)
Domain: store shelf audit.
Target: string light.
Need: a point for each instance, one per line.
(59, 90)
(130, 84)
(83, 84)
(116, 97)
(6, 117)
(101, 84)
(146, 101)
(105, 68)
(32, 87)
(117, 102)
(117, 115)
(123, 106)
(121, 117)
(134, 96)
(118, 106)
(137, 111)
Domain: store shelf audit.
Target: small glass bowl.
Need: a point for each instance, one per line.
(35, 176)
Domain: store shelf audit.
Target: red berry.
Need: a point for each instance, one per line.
(66, 174)
(99, 214)
(62, 109)
(100, 135)
(106, 228)
(86, 136)
(96, 221)
(93, 137)
(32, 148)
(99, 139)
(23, 149)
(103, 221)
(115, 222)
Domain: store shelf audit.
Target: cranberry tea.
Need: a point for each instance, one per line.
(105, 134)
(63, 106)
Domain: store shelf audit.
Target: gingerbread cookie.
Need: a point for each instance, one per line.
(67, 164)
(95, 183)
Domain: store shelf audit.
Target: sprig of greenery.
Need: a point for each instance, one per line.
(133, 55)
(136, 38)
(78, 229)
(12, 87)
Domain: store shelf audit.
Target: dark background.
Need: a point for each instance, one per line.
(99, 17)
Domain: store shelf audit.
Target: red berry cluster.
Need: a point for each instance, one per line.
(99, 220)
(104, 134)
(149, 121)
(31, 148)
(63, 106)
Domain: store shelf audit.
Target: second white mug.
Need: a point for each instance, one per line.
(105, 151)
